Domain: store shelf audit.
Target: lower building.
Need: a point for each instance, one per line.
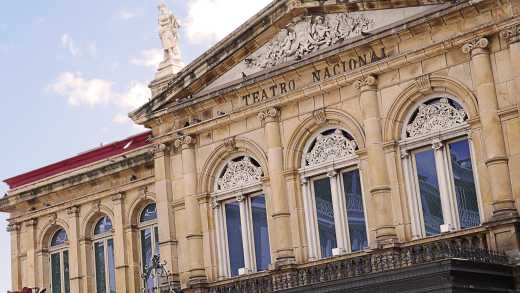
(323, 146)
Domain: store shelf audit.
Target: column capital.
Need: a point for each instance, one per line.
(476, 46)
(366, 83)
(31, 223)
(332, 173)
(511, 35)
(73, 211)
(269, 115)
(437, 144)
(13, 227)
(159, 149)
(185, 142)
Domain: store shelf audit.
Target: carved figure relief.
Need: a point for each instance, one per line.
(307, 36)
(437, 116)
(240, 173)
(330, 147)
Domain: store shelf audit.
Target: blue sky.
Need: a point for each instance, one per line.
(70, 71)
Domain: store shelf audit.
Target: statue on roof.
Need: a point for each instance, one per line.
(169, 32)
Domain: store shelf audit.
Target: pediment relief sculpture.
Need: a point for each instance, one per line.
(330, 147)
(437, 116)
(239, 173)
(310, 35)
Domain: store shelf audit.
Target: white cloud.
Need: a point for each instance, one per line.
(81, 91)
(212, 20)
(4, 49)
(69, 44)
(90, 48)
(125, 14)
(148, 58)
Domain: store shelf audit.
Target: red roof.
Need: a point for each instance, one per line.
(80, 160)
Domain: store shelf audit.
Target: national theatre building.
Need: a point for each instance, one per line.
(323, 146)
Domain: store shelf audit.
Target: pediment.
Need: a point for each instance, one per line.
(282, 33)
(311, 34)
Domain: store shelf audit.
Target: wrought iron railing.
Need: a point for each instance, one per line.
(469, 247)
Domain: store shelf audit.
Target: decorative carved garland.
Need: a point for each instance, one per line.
(330, 147)
(239, 174)
(437, 116)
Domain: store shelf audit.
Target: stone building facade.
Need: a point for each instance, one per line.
(368, 146)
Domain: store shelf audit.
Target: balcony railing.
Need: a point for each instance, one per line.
(472, 247)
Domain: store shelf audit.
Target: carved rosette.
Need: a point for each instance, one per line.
(435, 117)
(269, 115)
(184, 142)
(511, 35)
(366, 83)
(475, 45)
(238, 174)
(330, 147)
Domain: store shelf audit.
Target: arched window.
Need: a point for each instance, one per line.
(104, 256)
(333, 197)
(241, 218)
(149, 239)
(439, 168)
(59, 262)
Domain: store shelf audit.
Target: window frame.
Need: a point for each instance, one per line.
(60, 250)
(439, 142)
(152, 225)
(333, 169)
(103, 238)
(243, 196)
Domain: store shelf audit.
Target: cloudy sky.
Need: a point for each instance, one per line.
(70, 71)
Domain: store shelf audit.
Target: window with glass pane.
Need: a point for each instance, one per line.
(99, 252)
(429, 191)
(325, 216)
(59, 263)
(464, 184)
(149, 240)
(234, 237)
(261, 233)
(104, 256)
(355, 211)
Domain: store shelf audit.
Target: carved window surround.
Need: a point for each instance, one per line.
(438, 140)
(240, 180)
(332, 168)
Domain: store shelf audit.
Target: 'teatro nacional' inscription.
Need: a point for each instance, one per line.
(318, 75)
(348, 65)
(269, 92)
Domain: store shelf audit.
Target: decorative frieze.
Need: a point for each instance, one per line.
(310, 35)
(238, 174)
(478, 43)
(437, 116)
(330, 147)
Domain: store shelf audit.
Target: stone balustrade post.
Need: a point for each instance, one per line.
(284, 253)
(494, 142)
(193, 222)
(377, 169)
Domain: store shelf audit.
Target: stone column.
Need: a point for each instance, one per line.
(120, 246)
(74, 250)
(377, 169)
(512, 38)
(193, 223)
(31, 268)
(164, 198)
(494, 143)
(16, 275)
(284, 253)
